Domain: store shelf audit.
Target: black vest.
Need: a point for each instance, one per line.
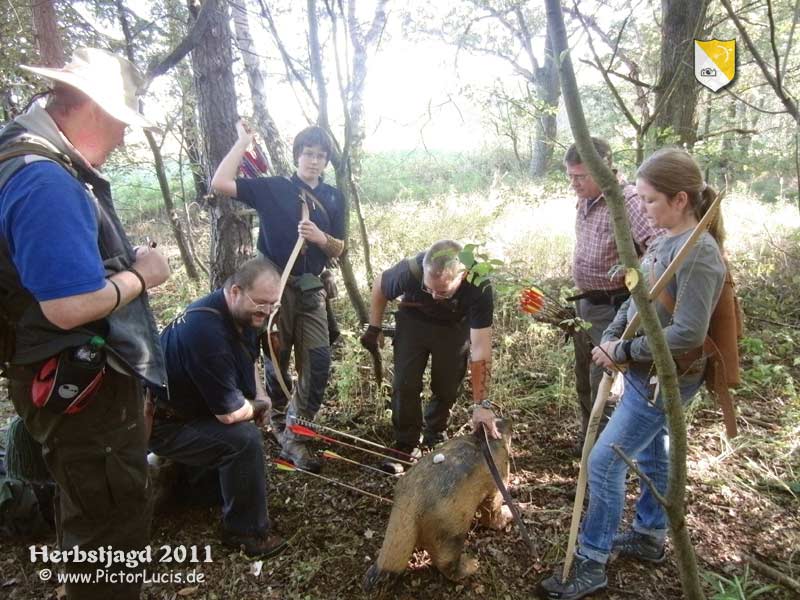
(130, 331)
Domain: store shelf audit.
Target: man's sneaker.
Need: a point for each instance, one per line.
(586, 577)
(300, 456)
(405, 453)
(632, 544)
(255, 546)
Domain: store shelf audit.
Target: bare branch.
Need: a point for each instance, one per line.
(645, 479)
(599, 65)
(739, 130)
(795, 14)
(292, 74)
(186, 45)
(790, 105)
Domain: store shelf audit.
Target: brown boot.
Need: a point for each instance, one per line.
(265, 545)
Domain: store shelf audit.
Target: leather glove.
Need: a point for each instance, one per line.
(372, 338)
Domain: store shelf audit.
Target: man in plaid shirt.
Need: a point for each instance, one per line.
(601, 290)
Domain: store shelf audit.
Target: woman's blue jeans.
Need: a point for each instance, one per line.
(639, 429)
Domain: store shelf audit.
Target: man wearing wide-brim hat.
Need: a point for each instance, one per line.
(73, 293)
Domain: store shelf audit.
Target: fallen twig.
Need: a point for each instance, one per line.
(781, 578)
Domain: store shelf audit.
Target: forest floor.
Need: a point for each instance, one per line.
(743, 495)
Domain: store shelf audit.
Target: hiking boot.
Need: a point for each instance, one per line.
(297, 453)
(255, 546)
(393, 465)
(632, 544)
(586, 577)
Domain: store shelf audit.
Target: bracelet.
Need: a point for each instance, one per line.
(119, 295)
(486, 403)
(140, 278)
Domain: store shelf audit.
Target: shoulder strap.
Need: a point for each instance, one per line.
(26, 146)
(180, 317)
(308, 195)
(414, 267)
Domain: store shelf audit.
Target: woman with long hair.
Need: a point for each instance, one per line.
(675, 198)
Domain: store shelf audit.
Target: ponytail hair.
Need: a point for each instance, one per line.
(673, 170)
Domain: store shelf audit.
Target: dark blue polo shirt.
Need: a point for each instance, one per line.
(471, 302)
(276, 199)
(209, 363)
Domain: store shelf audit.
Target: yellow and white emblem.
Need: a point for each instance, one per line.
(714, 62)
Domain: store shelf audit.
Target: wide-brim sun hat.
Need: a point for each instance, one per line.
(111, 81)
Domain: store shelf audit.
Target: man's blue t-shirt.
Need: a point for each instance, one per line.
(276, 201)
(49, 221)
(210, 364)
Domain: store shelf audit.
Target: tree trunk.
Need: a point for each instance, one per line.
(174, 219)
(676, 120)
(212, 59)
(340, 160)
(687, 562)
(276, 149)
(158, 162)
(548, 93)
(48, 38)
(361, 44)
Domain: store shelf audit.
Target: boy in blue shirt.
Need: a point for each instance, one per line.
(303, 322)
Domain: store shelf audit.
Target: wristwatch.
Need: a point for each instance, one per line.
(487, 404)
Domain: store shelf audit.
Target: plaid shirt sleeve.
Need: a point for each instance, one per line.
(643, 233)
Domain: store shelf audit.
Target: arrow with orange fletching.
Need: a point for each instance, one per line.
(308, 432)
(284, 465)
(545, 308)
(315, 426)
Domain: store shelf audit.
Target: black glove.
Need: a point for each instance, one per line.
(261, 409)
(371, 339)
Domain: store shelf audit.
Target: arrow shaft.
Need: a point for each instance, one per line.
(312, 425)
(334, 456)
(342, 484)
(326, 438)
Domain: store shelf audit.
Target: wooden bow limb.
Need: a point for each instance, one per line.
(287, 270)
(608, 379)
(377, 366)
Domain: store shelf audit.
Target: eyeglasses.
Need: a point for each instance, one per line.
(309, 155)
(578, 177)
(265, 308)
(454, 285)
(435, 294)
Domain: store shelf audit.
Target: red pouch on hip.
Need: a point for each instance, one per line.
(65, 384)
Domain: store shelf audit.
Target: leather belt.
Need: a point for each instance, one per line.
(615, 297)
